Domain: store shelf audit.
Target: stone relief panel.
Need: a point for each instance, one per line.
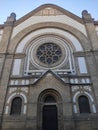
(48, 12)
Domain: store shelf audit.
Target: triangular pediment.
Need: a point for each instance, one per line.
(48, 77)
(49, 10)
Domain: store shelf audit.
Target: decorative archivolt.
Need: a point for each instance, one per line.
(47, 42)
(16, 40)
(86, 94)
(13, 96)
(72, 44)
(53, 31)
(49, 92)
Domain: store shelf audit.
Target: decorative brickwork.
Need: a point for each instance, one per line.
(49, 70)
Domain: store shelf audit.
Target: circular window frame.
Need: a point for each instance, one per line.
(47, 53)
(49, 39)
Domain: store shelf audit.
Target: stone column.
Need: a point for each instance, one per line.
(6, 63)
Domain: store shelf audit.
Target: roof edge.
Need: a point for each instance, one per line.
(69, 14)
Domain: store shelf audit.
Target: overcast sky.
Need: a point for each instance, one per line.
(22, 7)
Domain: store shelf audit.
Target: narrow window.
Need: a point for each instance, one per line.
(16, 106)
(82, 65)
(84, 104)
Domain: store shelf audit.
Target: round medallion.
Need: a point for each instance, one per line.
(49, 53)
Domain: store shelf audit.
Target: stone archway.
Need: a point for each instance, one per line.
(49, 114)
(80, 36)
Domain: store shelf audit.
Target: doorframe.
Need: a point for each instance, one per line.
(41, 104)
(52, 105)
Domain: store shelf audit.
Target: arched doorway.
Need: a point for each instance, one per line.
(50, 111)
(49, 114)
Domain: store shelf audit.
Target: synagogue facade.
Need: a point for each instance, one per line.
(49, 71)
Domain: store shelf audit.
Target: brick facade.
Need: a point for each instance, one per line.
(41, 81)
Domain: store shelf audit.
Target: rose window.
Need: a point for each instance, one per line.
(49, 53)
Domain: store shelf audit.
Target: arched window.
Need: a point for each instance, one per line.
(16, 106)
(83, 104)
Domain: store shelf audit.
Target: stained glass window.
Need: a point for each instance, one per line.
(49, 53)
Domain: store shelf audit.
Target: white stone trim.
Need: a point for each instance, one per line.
(92, 105)
(16, 67)
(6, 109)
(74, 98)
(24, 97)
(65, 47)
(63, 19)
(91, 98)
(11, 96)
(82, 65)
(18, 95)
(55, 31)
(75, 109)
(24, 110)
(94, 108)
(97, 30)
(1, 33)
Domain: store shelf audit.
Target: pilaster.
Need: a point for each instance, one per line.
(90, 28)
(92, 55)
(6, 62)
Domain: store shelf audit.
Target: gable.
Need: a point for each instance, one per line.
(49, 10)
(50, 77)
(48, 13)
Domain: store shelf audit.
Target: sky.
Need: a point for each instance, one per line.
(22, 7)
